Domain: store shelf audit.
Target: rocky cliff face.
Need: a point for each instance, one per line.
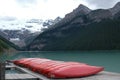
(115, 9)
(80, 11)
(100, 14)
(82, 29)
(3, 34)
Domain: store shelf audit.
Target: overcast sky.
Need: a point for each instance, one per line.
(46, 9)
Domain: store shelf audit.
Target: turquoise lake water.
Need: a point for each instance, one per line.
(110, 60)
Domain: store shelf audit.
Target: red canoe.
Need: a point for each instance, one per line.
(58, 69)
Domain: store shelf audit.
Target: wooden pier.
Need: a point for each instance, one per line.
(8, 67)
(20, 77)
(24, 75)
(101, 76)
(29, 75)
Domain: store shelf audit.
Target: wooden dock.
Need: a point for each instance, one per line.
(29, 75)
(25, 75)
(8, 67)
(101, 76)
(20, 77)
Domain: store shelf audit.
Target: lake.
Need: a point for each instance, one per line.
(110, 60)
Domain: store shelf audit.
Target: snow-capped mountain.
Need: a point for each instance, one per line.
(17, 30)
(33, 25)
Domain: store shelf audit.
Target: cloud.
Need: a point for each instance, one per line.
(47, 9)
(26, 3)
(7, 18)
(54, 8)
(102, 3)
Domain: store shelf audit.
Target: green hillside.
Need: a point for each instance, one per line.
(5, 45)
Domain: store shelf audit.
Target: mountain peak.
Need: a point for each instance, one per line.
(115, 9)
(117, 5)
(82, 8)
(81, 5)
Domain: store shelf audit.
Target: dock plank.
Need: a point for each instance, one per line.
(19, 77)
(9, 67)
(101, 76)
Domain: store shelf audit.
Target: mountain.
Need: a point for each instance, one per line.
(18, 36)
(50, 22)
(7, 45)
(115, 9)
(2, 33)
(32, 25)
(18, 31)
(82, 29)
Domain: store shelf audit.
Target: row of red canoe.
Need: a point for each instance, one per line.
(58, 69)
